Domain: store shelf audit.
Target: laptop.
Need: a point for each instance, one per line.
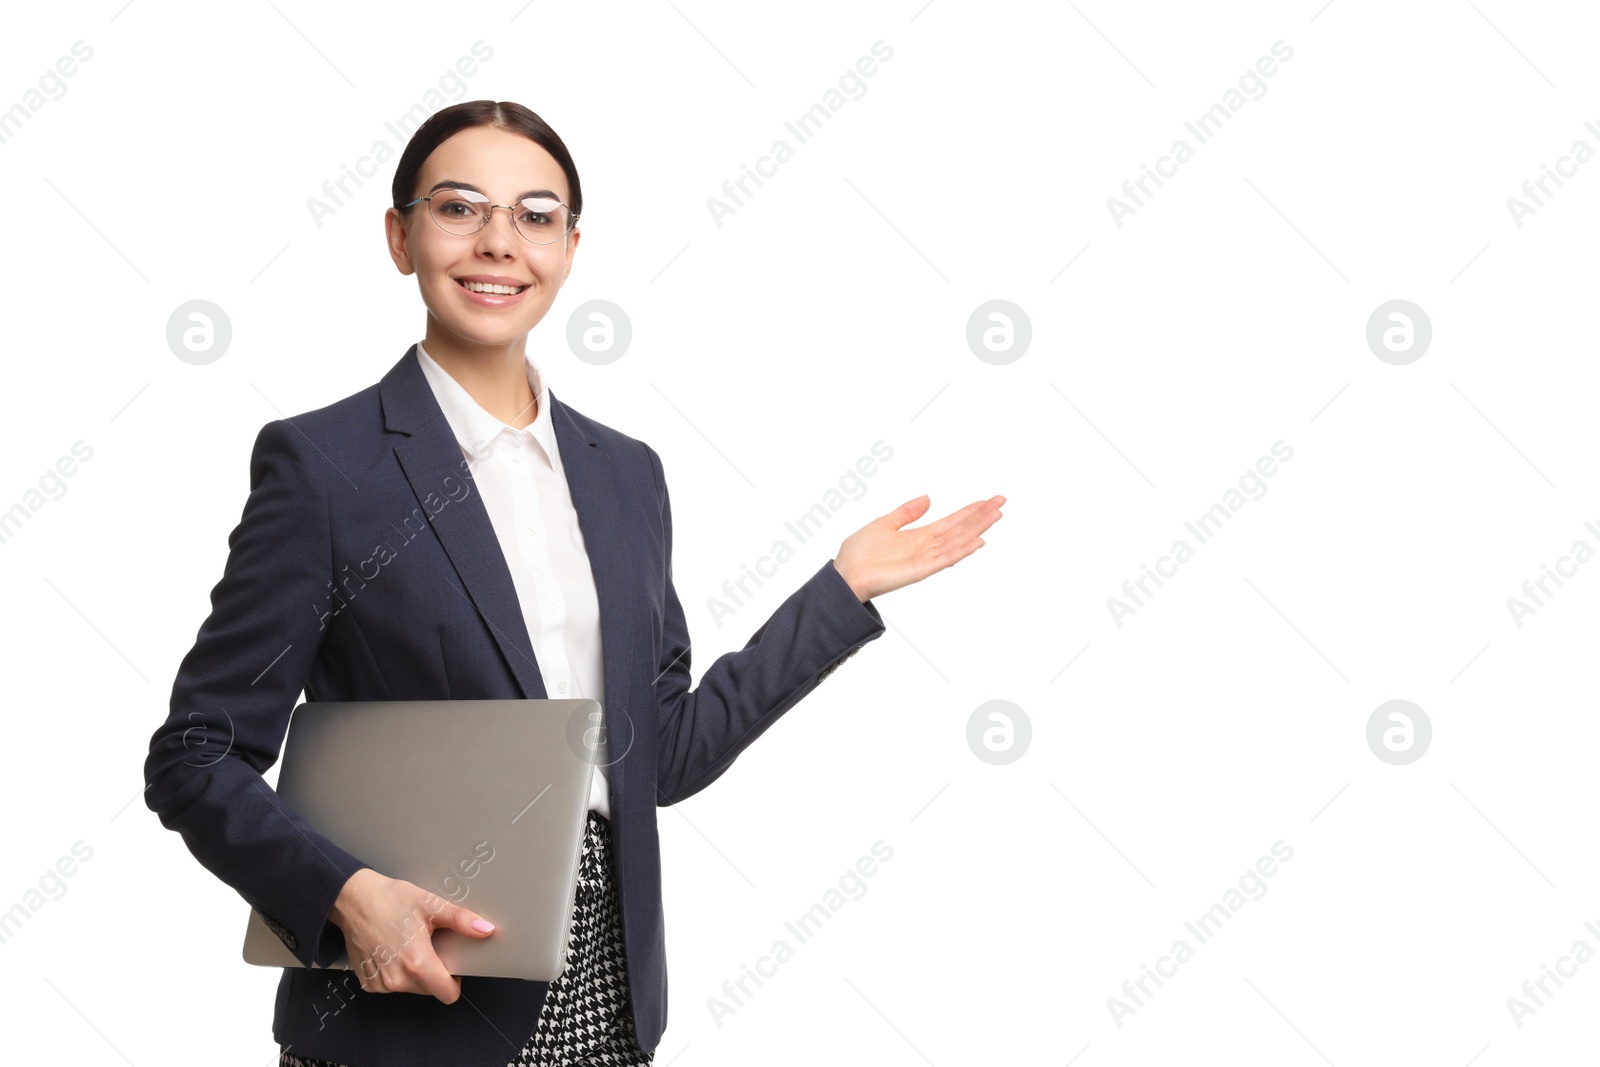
(482, 802)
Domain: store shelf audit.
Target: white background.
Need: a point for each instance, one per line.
(830, 311)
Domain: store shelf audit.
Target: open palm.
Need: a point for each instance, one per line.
(882, 555)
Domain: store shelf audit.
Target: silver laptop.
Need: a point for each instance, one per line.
(483, 802)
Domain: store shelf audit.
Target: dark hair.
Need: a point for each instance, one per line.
(441, 125)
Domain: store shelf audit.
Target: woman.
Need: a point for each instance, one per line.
(458, 532)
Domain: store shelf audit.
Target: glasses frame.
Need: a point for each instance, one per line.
(484, 216)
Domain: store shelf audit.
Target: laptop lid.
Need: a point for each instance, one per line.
(483, 802)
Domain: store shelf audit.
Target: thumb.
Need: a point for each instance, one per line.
(463, 921)
(910, 511)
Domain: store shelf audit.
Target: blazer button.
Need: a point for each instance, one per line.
(835, 664)
(283, 932)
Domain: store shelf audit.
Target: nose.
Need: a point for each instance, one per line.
(498, 237)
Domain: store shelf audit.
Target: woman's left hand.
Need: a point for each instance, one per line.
(881, 556)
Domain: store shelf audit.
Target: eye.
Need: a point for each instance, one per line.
(540, 213)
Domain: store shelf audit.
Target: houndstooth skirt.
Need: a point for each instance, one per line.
(586, 1018)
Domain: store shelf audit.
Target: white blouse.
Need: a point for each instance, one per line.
(525, 491)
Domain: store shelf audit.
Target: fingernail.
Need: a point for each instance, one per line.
(483, 926)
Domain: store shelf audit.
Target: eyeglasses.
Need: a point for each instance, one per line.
(541, 220)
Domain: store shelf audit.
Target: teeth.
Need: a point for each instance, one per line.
(503, 290)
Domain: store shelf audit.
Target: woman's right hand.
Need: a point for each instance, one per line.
(388, 929)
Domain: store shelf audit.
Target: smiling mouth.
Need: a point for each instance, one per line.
(497, 290)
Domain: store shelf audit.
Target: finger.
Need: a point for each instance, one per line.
(986, 515)
(431, 972)
(955, 555)
(980, 521)
(377, 967)
(978, 507)
(462, 921)
(953, 520)
(910, 511)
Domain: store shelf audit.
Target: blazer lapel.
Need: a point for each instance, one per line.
(431, 458)
(432, 461)
(592, 478)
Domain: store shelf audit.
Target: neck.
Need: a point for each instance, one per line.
(496, 376)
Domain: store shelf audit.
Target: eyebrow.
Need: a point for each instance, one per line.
(474, 188)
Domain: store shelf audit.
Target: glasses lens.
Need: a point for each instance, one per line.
(458, 210)
(542, 220)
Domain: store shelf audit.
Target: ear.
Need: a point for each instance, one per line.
(572, 249)
(398, 241)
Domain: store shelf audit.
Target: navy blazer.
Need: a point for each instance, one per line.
(364, 567)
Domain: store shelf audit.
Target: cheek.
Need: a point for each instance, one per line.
(548, 272)
(549, 266)
(439, 290)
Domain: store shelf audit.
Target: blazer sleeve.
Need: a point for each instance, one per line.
(702, 730)
(232, 699)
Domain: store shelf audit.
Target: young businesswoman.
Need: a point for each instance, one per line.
(456, 531)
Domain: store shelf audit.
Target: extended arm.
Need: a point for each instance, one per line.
(702, 730)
